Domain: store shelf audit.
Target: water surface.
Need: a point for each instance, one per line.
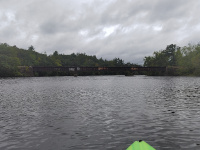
(99, 112)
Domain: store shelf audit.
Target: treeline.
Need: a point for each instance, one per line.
(11, 57)
(179, 60)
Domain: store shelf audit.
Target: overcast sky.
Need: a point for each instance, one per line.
(128, 29)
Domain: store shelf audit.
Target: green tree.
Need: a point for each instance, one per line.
(31, 48)
(163, 58)
(55, 54)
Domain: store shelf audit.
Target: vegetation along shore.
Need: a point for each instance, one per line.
(17, 62)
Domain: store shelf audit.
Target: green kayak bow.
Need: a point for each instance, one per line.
(140, 145)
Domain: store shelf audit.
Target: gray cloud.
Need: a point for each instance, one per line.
(129, 29)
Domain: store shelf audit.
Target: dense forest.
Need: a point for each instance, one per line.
(11, 57)
(181, 60)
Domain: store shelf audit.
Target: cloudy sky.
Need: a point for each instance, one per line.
(128, 29)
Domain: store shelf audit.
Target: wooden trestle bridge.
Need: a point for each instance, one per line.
(39, 70)
(77, 69)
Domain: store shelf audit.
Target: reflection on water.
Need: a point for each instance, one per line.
(99, 112)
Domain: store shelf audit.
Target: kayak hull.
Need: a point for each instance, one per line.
(140, 145)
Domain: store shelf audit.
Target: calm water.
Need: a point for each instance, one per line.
(99, 112)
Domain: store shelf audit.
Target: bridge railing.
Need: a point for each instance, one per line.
(67, 69)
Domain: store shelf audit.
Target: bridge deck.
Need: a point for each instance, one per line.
(68, 69)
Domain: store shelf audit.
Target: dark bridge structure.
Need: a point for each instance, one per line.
(71, 69)
(76, 70)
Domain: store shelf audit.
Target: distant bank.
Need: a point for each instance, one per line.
(178, 61)
(82, 71)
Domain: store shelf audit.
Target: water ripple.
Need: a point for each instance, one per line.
(99, 112)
